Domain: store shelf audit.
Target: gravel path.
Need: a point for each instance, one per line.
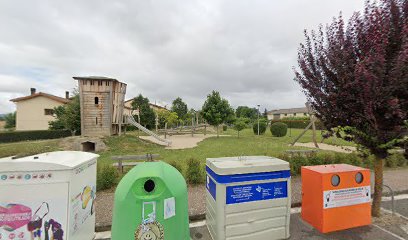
(181, 141)
(324, 146)
(395, 178)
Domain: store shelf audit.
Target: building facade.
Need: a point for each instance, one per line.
(286, 113)
(34, 112)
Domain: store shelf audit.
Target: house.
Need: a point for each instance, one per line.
(36, 110)
(289, 112)
(155, 107)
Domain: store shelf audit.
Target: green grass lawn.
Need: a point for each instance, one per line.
(247, 144)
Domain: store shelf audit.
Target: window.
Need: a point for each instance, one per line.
(305, 114)
(92, 82)
(96, 100)
(100, 83)
(96, 120)
(48, 112)
(286, 114)
(107, 83)
(294, 114)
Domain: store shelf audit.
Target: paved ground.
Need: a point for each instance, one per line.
(324, 146)
(180, 141)
(385, 228)
(196, 197)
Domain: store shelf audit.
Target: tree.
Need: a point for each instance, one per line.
(179, 107)
(356, 77)
(166, 116)
(68, 116)
(146, 113)
(239, 125)
(246, 112)
(10, 120)
(216, 110)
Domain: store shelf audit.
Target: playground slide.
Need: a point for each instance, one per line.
(132, 121)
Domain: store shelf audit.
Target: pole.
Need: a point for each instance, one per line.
(258, 119)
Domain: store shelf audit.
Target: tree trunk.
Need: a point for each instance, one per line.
(218, 135)
(378, 187)
(238, 134)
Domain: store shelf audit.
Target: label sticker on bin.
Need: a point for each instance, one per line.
(256, 192)
(211, 187)
(346, 197)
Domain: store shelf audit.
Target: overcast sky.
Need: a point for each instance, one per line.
(163, 49)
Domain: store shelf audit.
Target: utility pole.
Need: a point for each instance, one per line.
(258, 118)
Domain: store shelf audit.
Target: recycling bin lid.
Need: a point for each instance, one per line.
(59, 160)
(334, 168)
(247, 164)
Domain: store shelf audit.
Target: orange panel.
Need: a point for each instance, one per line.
(328, 207)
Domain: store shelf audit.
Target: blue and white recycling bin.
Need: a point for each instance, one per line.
(248, 198)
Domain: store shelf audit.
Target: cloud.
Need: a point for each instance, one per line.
(162, 49)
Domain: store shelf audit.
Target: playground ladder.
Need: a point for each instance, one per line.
(132, 121)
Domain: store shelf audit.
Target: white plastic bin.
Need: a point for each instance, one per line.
(248, 198)
(48, 196)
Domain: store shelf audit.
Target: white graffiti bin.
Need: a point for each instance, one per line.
(248, 198)
(48, 196)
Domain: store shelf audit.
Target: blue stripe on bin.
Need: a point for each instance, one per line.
(247, 176)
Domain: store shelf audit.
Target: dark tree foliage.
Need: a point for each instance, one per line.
(179, 107)
(147, 115)
(246, 112)
(356, 78)
(68, 116)
(265, 114)
(10, 120)
(217, 110)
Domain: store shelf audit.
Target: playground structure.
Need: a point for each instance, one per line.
(133, 122)
(311, 124)
(102, 105)
(180, 130)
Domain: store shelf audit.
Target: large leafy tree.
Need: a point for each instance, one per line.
(146, 113)
(10, 120)
(356, 77)
(68, 116)
(166, 116)
(246, 112)
(216, 110)
(179, 107)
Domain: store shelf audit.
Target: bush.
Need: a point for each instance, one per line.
(262, 126)
(279, 129)
(33, 135)
(177, 166)
(194, 171)
(224, 128)
(296, 164)
(106, 177)
(395, 160)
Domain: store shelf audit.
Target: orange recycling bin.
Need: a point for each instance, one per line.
(336, 197)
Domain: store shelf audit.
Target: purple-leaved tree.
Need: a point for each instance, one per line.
(356, 77)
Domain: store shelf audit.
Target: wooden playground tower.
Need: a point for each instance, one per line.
(102, 106)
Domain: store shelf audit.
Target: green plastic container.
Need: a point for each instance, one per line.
(151, 204)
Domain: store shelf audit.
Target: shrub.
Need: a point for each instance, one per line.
(279, 129)
(395, 160)
(177, 166)
(194, 171)
(224, 128)
(106, 177)
(33, 135)
(296, 164)
(262, 126)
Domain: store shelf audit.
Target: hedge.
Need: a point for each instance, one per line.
(299, 123)
(18, 136)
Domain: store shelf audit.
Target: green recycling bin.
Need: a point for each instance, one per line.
(151, 204)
